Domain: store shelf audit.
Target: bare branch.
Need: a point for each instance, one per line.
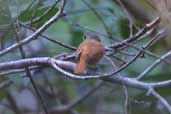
(50, 39)
(152, 66)
(126, 99)
(8, 72)
(129, 17)
(146, 29)
(162, 100)
(18, 64)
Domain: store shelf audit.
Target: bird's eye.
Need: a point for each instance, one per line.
(84, 37)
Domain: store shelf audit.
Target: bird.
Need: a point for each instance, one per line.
(90, 51)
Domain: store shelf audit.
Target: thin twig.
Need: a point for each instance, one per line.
(162, 100)
(50, 39)
(126, 99)
(129, 17)
(75, 12)
(147, 28)
(28, 73)
(99, 17)
(44, 14)
(80, 99)
(128, 44)
(152, 66)
(8, 72)
(119, 59)
(34, 12)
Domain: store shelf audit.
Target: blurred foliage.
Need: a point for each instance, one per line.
(69, 30)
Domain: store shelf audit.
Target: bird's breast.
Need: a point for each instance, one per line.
(94, 50)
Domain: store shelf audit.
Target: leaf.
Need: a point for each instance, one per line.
(39, 13)
(2, 94)
(123, 24)
(45, 18)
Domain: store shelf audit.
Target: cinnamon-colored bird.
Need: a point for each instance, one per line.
(89, 52)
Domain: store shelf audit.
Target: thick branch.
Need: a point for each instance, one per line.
(19, 64)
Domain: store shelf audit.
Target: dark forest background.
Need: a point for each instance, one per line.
(142, 86)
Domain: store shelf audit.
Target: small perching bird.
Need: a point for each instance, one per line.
(90, 51)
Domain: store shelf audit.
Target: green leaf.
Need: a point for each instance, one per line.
(45, 18)
(2, 94)
(28, 15)
(123, 24)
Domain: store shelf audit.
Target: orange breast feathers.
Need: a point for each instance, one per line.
(90, 52)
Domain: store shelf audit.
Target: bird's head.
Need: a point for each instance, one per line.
(91, 35)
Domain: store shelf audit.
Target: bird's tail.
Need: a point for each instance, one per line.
(81, 65)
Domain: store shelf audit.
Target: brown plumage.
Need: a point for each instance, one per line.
(89, 52)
